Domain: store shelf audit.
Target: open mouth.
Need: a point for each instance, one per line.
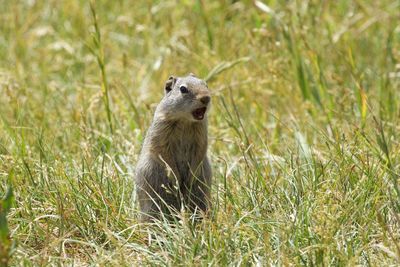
(198, 114)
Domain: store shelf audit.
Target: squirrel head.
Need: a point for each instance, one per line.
(185, 98)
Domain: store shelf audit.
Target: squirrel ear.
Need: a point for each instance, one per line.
(169, 84)
(192, 74)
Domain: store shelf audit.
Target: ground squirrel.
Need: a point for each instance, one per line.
(173, 168)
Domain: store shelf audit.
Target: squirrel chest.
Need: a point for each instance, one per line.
(185, 149)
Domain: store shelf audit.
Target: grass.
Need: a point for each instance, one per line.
(304, 131)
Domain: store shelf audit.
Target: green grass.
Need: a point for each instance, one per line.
(304, 130)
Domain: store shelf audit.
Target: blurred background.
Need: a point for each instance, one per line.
(303, 129)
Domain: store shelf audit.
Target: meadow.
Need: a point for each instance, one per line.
(303, 132)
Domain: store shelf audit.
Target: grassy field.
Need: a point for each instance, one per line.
(304, 130)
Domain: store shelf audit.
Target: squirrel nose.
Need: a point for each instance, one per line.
(205, 99)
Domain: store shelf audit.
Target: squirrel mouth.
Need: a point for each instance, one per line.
(198, 114)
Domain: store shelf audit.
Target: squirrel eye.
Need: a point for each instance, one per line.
(183, 89)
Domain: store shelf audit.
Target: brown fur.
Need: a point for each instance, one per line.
(173, 169)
